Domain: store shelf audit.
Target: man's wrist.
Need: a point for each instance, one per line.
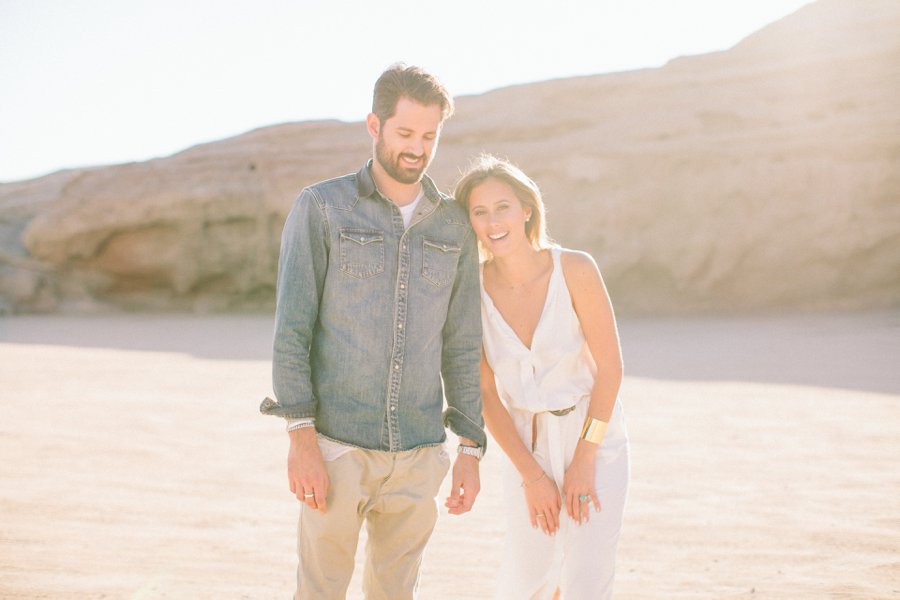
(305, 437)
(300, 423)
(470, 450)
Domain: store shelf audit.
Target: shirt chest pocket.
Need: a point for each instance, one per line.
(439, 261)
(362, 252)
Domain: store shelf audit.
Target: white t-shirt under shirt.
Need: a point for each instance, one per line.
(332, 450)
(410, 209)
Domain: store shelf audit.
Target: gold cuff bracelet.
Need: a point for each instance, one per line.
(593, 430)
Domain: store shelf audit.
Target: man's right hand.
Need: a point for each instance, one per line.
(307, 475)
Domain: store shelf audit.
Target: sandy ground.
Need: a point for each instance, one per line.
(135, 465)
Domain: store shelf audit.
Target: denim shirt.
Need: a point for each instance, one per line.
(376, 323)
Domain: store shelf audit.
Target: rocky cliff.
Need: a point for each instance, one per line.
(763, 177)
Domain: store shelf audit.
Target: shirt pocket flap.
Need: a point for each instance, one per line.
(362, 236)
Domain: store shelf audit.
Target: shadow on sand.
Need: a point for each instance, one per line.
(858, 351)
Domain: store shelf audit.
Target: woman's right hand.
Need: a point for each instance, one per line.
(544, 504)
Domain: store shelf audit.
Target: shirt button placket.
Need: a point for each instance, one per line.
(399, 345)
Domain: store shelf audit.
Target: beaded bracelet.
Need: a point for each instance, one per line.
(301, 424)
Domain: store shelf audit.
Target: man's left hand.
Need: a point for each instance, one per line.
(466, 485)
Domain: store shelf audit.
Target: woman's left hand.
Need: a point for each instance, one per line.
(578, 483)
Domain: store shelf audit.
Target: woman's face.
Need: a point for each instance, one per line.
(498, 217)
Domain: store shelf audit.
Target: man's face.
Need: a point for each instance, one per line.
(406, 142)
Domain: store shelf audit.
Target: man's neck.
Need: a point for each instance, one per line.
(400, 194)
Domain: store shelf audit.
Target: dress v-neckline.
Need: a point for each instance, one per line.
(505, 324)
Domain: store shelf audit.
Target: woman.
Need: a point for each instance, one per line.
(550, 377)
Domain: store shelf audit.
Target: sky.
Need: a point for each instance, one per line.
(91, 82)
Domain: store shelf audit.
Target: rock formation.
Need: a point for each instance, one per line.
(763, 177)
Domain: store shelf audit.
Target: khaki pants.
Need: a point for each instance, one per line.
(394, 493)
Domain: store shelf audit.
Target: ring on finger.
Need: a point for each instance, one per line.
(584, 498)
(309, 495)
(541, 516)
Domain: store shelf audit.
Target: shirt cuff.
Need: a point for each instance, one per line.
(464, 427)
(296, 411)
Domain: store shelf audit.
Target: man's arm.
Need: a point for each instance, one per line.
(302, 266)
(461, 350)
(460, 370)
(301, 276)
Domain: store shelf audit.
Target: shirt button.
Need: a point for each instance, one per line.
(400, 326)
(402, 286)
(396, 366)
(393, 408)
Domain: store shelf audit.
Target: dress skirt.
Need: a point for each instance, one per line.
(580, 559)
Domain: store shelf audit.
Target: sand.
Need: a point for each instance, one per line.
(135, 464)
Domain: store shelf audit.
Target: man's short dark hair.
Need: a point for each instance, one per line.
(401, 80)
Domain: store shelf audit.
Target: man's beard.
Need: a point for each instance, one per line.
(395, 169)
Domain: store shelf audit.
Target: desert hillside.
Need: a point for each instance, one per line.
(763, 177)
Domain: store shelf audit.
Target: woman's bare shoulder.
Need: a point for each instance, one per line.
(578, 264)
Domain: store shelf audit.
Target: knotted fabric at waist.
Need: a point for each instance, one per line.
(560, 412)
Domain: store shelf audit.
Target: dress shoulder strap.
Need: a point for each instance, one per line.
(558, 279)
(556, 252)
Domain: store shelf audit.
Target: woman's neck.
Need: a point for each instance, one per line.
(519, 268)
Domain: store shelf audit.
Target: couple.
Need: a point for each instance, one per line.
(383, 311)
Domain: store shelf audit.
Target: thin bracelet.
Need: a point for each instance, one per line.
(301, 424)
(527, 483)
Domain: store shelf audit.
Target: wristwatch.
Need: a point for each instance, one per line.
(476, 451)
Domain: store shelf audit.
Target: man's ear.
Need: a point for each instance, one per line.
(373, 125)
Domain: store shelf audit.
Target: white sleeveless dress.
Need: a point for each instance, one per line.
(557, 372)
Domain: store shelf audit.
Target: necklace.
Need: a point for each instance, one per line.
(534, 276)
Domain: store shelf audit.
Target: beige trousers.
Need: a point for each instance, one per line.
(394, 493)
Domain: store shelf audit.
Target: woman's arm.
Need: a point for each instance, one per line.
(595, 314)
(541, 493)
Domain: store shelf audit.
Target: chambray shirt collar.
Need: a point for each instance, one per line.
(365, 185)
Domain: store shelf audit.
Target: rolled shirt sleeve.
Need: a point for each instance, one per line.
(461, 350)
(302, 264)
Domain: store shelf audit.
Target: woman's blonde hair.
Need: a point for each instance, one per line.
(487, 167)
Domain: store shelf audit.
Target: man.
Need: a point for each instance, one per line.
(377, 321)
